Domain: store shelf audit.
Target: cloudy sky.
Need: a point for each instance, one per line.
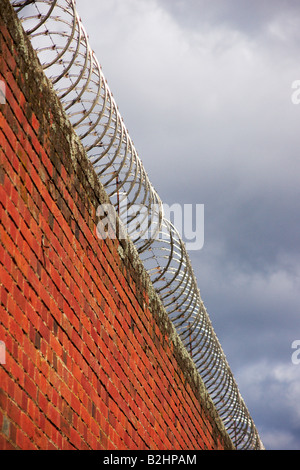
(205, 90)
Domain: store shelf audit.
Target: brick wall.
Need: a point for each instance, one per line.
(91, 359)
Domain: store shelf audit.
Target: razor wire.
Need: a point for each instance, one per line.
(61, 42)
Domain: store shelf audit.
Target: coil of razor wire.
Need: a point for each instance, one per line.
(61, 42)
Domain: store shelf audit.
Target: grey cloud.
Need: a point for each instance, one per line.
(272, 391)
(248, 17)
